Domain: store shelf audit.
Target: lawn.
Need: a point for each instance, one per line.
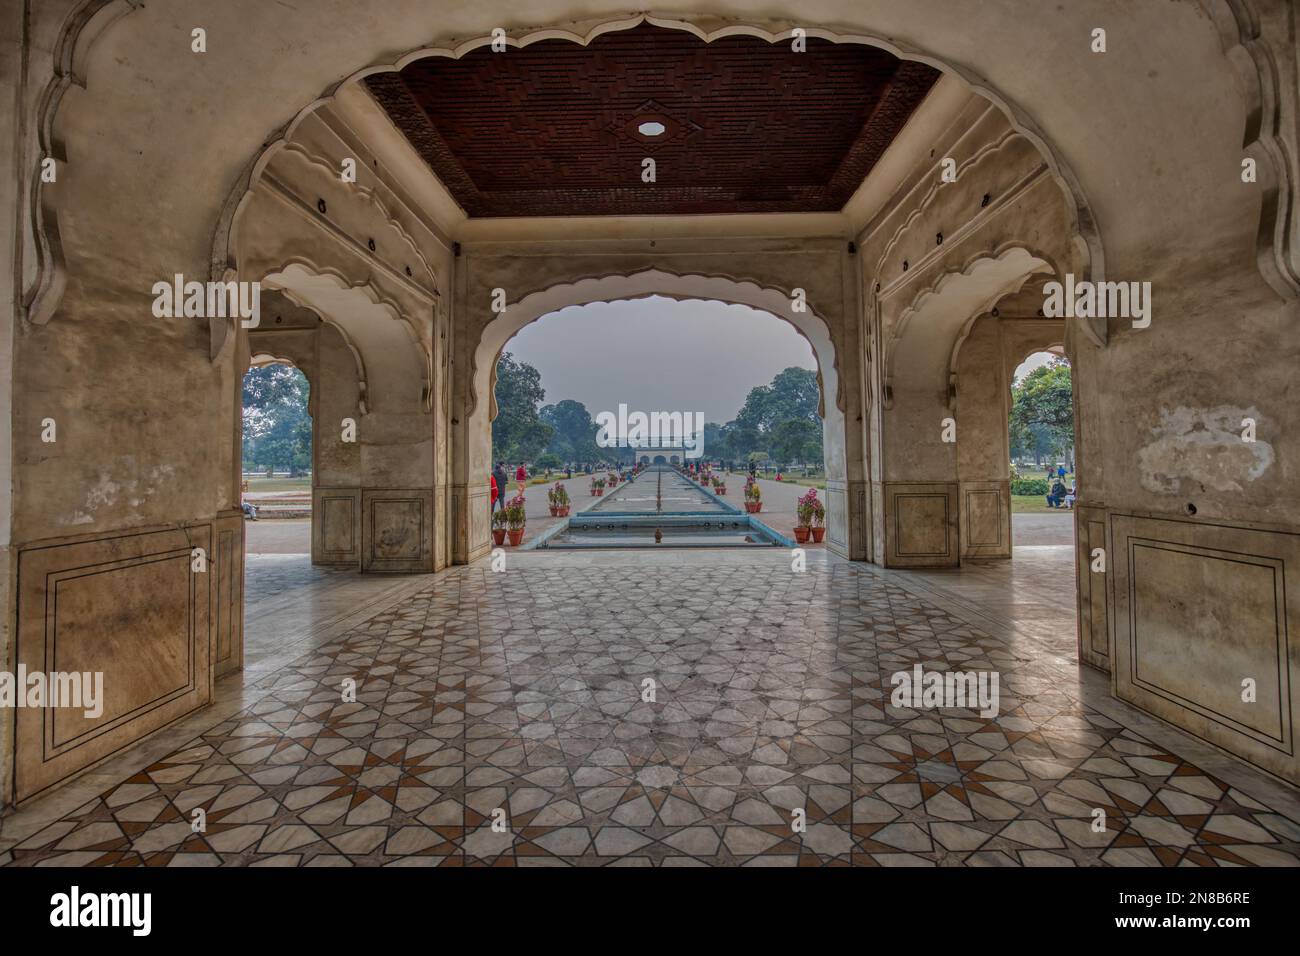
(818, 483)
(1037, 504)
(1033, 505)
(269, 485)
(814, 482)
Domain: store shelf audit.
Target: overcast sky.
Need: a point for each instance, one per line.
(1037, 360)
(659, 354)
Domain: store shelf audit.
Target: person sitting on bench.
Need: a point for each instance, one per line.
(1057, 495)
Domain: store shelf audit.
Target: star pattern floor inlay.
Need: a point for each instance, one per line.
(518, 697)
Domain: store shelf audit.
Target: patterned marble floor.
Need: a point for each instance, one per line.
(518, 696)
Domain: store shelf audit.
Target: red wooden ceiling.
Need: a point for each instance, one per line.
(550, 129)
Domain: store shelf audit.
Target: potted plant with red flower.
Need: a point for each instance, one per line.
(753, 497)
(818, 519)
(559, 496)
(803, 510)
(499, 527)
(515, 520)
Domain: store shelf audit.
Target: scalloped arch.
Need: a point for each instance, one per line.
(82, 28)
(611, 287)
(1030, 263)
(303, 266)
(357, 359)
(259, 359)
(966, 328)
(1000, 254)
(1277, 242)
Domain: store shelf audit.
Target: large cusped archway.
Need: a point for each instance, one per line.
(788, 304)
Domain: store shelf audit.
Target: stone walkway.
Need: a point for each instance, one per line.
(281, 536)
(518, 697)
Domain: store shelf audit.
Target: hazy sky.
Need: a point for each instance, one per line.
(659, 354)
(1037, 360)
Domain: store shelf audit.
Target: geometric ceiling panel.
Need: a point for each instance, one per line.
(736, 125)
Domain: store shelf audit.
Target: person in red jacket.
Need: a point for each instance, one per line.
(492, 505)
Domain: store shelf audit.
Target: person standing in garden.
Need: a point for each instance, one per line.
(499, 480)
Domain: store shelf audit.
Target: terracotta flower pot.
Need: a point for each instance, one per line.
(498, 536)
(818, 534)
(516, 537)
(554, 511)
(801, 535)
(563, 511)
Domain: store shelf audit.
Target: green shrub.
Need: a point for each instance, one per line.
(1029, 486)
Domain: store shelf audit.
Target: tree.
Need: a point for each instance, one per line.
(287, 446)
(794, 439)
(277, 427)
(1042, 411)
(743, 438)
(794, 395)
(758, 427)
(518, 434)
(715, 444)
(574, 436)
(1036, 442)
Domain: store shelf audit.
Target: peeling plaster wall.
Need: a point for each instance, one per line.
(1175, 394)
(1204, 449)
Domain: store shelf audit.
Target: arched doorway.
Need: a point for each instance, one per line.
(798, 310)
(277, 451)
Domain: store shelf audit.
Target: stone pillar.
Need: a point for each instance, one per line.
(336, 471)
(983, 444)
(848, 492)
(471, 440)
(919, 494)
